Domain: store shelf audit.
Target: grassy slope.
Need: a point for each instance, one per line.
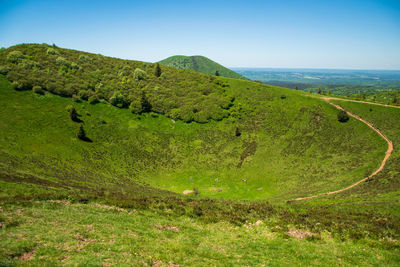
(200, 64)
(60, 232)
(383, 192)
(300, 147)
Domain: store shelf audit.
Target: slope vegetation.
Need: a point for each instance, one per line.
(200, 64)
(120, 195)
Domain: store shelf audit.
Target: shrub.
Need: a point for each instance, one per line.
(136, 107)
(28, 64)
(74, 66)
(83, 94)
(139, 74)
(62, 61)
(21, 85)
(4, 70)
(38, 90)
(342, 116)
(144, 102)
(15, 56)
(283, 96)
(118, 100)
(76, 98)
(94, 99)
(85, 58)
(69, 107)
(52, 51)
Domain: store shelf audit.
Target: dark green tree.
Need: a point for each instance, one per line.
(157, 70)
(74, 114)
(297, 88)
(237, 132)
(81, 133)
(319, 91)
(146, 106)
(395, 100)
(343, 116)
(216, 73)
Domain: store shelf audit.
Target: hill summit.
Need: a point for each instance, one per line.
(200, 64)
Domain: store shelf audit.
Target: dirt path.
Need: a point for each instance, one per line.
(327, 98)
(388, 151)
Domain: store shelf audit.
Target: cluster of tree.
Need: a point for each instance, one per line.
(73, 114)
(139, 86)
(343, 116)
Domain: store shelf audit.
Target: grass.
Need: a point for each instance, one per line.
(63, 233)
(295, 149)
(383, 191)
(119, 198)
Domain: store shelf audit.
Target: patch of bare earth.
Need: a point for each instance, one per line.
(167, 228)
(299, 233)
(159, 263)
(27, 255)
(187, 192)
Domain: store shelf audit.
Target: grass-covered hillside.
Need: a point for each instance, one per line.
(272, 146)
(107, 181)
(139, 86)
(200, 64)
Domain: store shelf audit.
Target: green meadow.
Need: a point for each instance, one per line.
(242, 148)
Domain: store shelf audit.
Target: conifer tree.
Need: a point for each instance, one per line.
(157, 70)
(81, 133)
(216, 73)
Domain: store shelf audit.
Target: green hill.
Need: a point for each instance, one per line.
(200, 64)
(119, 197)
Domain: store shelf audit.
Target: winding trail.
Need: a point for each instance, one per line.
(383, 163)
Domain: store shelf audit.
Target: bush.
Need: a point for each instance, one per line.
(76, 98)
(94, 99)
(69, 107)
(139, 74)
(4, 70)
(52, 51)
(144, 102)
(83, 94)
(283, 96)
(21, 85)
(343, 116)
(38, 90)
(62, 61)
(118, 100)
(84, 58)
(74, 66)
(136, 107)
(15, 56)
(28, 64)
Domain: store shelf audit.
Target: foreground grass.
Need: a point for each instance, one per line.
(64, 233)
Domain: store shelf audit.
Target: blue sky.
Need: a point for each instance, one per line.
(353, 34)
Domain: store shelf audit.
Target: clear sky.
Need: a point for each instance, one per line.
(360, 34)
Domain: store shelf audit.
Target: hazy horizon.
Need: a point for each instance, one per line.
(354, 34)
